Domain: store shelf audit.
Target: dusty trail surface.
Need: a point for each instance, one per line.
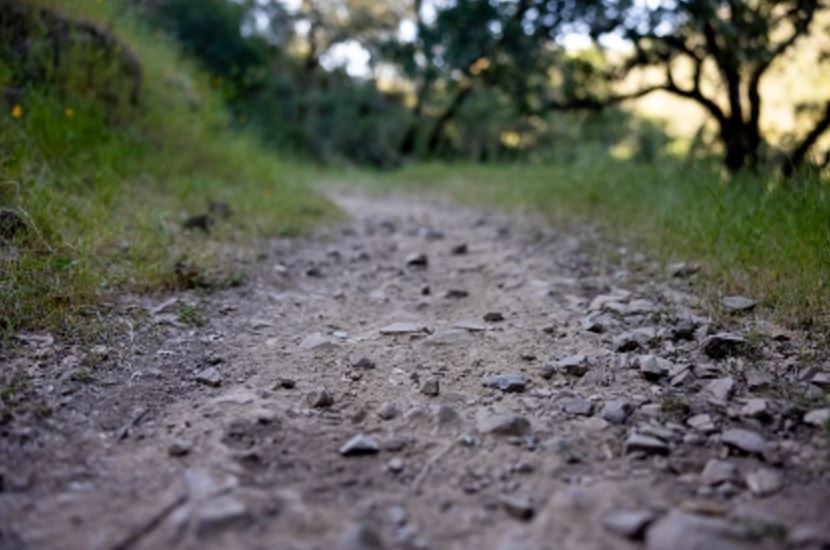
(513, 390)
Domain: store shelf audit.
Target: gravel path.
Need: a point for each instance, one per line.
(424, 376)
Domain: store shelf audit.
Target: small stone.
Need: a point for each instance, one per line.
(744, 440)
(320, 399)
(459, 249)
(723, 344)
(721, 389)
(645, 444)
(682, 269)
(360, 445)
(286, 383)
(818, 417)
(456, 293)
(737, 304)
(616, 411)
(593, 323)
(547, 371)
(431, 387)
(764, 482)
(179, 447)
(388, 411)
(719, 471)
(521, 508)
(630, 524)
(395, 465)
(635, 339)
(364, 363)
(577, 406)
(703, 423)
(510, 383)
(209, 377)
(684, 329)
(653, 368)
(502, 424)
(417, 259)
(574, 365)
(755, 408)
(493, 317)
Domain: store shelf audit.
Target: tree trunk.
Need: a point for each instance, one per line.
(446, 117)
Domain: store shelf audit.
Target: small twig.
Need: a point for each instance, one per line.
(151, 524)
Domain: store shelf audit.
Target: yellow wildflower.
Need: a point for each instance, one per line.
(17, 111)
(69, 112)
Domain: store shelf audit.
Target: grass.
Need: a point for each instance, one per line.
(104, 186)
(753, 236)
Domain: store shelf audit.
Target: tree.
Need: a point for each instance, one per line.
(733, 42)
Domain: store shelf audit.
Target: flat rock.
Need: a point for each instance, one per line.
(417, 259)
(744, 440)
(493, 317)
(737, 304)
(703, 423)
(317, 342)
(719, 471)
(682, 531)
(403, 328)
(514, 382)
(360, 445)
(630, 524)
(646, 444)
(577, 406)
(209, 377)
(653, 368)
(616, 411)
(519, 507)
(721, 389)
(764, 482)
(723, 344)
(755, 408)
(502, 423)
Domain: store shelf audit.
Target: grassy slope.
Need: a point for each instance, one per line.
(107, 198)
(773, 245)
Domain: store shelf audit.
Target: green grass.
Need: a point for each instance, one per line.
(771, 242)
(105, 186)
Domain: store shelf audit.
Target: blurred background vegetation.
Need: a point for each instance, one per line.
(147, 144)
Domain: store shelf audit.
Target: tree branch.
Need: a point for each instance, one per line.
(799, 153)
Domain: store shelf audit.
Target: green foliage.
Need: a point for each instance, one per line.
(104, 183)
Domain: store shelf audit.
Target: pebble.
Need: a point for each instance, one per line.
(643, 443)
(417, 259)
(719, 471)
(653, 368)
(179, 447)
(547, 371)
(209, 377)
(577, 406)
(702, 423)
(521, 508)
(286, 383)
(360, 445)
(320, 399)
(510, 383)
(616, 411)
(456, 293)
(574, 365)
(818, 417)
(459, 249)
(721, 389)
(502, 424)
(388, 411)
(755, 408)
(723, 344)
(764, 482)
(737, 304)
(395, 465)
(364, 363)
(630, 524)
(431, 386)
(493, 317)
(744, 440)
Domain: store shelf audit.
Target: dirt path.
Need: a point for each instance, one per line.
(514, 393)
